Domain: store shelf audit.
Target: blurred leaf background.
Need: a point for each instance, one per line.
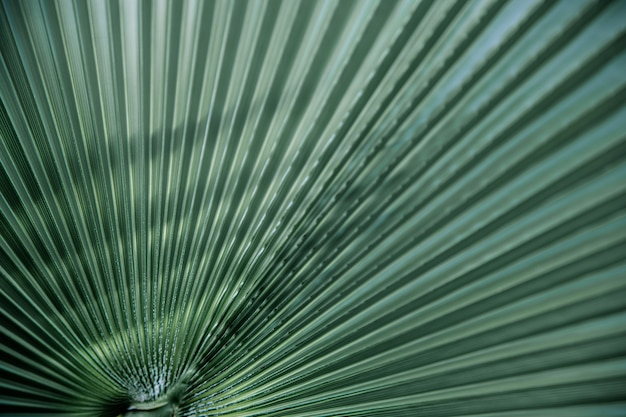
(315, 208)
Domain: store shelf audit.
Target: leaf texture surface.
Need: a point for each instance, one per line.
(314, 208)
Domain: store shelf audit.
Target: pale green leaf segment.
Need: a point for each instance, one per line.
(313, 208)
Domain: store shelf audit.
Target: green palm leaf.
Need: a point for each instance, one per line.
(313, 208)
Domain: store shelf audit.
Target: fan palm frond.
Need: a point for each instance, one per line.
(314, 208)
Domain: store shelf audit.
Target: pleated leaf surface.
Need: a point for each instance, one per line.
(313, 208)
